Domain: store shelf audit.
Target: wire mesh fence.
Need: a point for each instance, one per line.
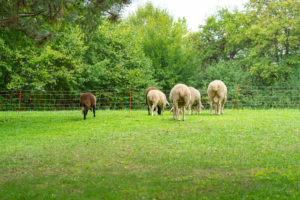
(239, 97)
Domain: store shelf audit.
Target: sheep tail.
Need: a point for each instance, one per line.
(216, 99)
(168, 103)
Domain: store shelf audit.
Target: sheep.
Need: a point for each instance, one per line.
(87, 101)
(180, 97)
(158, 107)
(195, 101)
(156, 98)
(217, 94)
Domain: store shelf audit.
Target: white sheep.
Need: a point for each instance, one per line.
(156, 98)
(180, 97)
(195, 101)
(217, 94)
(148, 90)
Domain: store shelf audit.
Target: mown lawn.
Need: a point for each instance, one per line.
(243, 154)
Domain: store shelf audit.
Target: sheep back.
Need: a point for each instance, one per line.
(181, 95)
(195, 97)
(148, 90)
(216, 90)
(87, 100)
(158, 97)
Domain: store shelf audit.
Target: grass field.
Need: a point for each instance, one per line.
(243, 154)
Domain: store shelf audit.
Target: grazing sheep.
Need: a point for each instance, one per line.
(158, 107)
(180, 97)
(156, 98)
(88, 101)
(217, 94)
(195, 101)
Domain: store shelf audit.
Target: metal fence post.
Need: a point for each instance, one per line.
(237, 88)
(20, 95)
(129, 99)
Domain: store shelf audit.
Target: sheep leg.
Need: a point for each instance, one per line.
(158, 110)
(211, 107)
(151, 108)
(219, 107)
(163, 109)
(222, 106)
(155, 108)
(148, 110)
(175, 110)
(85, 111)
(178, 113)
(199, 108)
(183, 113)
(190, 109)
(216, 108)
(94, 111)
(174, 113)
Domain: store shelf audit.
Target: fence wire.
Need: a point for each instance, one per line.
(239, 97)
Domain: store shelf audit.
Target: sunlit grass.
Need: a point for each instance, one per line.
(243, 154)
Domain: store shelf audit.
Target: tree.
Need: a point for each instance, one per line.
(115, 59)
(53, 67)
(166, 42)
(222, 37)
(42, 43)
(263, 41)
(275, 36)
(35, 18)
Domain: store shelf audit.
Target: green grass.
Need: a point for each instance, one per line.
(243, 154)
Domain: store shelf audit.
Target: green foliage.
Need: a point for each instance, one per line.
(274, 32)
(222, 37)
(229, 72)
(166, 43)
(263, 40)
(6, 57)
(36, 18)
(115, 59)
(73, 45)
(52, 66)
(16, 49)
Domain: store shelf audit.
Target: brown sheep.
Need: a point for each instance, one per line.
(180, 97)
(147, 91)
(87, 101)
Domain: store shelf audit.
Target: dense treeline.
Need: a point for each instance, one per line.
(82, 45)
